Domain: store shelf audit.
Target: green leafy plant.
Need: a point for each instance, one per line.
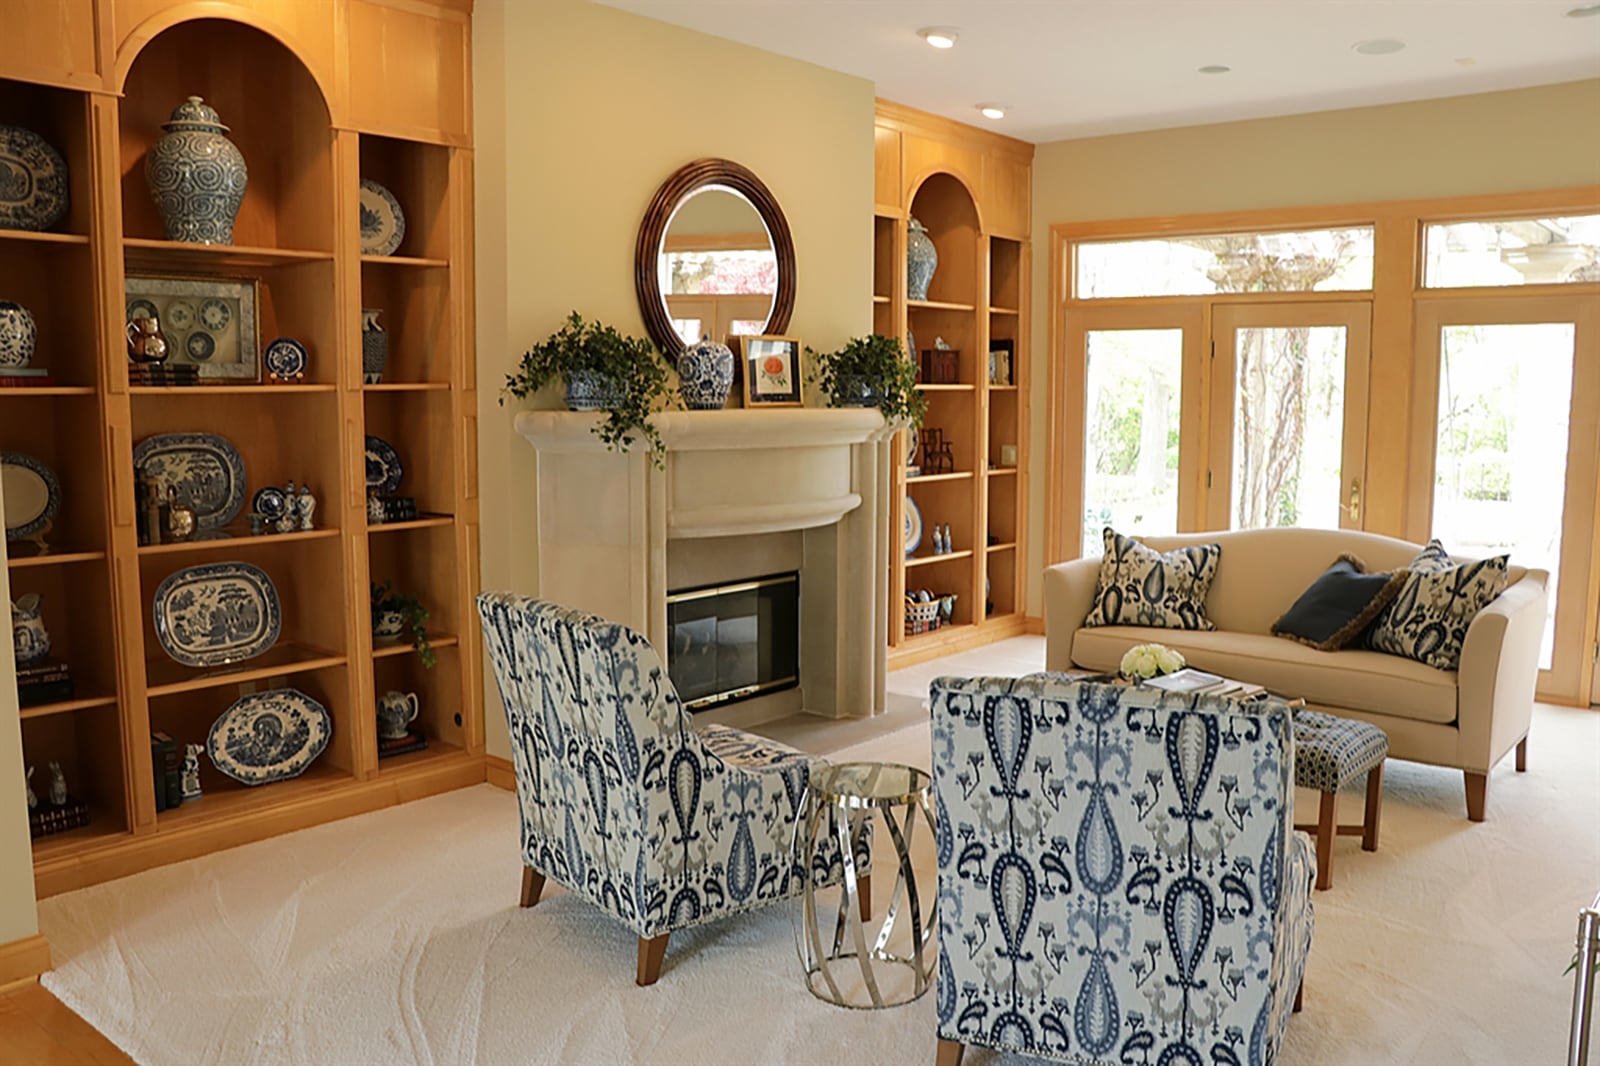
(872, 371)
(632, 366)
(412, 615)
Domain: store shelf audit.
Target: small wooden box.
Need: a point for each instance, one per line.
(941, 366)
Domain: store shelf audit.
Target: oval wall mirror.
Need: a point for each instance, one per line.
(714, 257)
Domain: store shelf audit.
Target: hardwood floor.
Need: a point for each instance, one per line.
(38, 1029)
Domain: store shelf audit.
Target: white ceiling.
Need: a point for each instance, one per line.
(1078, 68)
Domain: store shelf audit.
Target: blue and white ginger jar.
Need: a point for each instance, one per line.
(922, 259)
(705, 375)
(196, 176)
(17, 336)
(30, 642)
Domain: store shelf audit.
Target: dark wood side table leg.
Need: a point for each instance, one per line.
(1522, 756)
(950, 1052)
(532, 886)
(1369, 827)
(1325, 832)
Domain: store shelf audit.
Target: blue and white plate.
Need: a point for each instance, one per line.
(269, 736)
(285, 357)
(216, 614)
(383, 224)
(215, 314)
(31, 492)
(913, 526)
(141, 308)
(206, 470)
(33, 181)
(200, 345)
(269, 502)
(383, 468)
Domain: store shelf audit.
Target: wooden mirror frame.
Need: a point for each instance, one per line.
(653, 230)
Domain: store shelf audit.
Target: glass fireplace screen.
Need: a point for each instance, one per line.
(731, 642)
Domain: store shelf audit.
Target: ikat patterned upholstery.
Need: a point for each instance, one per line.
(1139, 586)
(1119, 881)
(1429, 617)
(623, 800)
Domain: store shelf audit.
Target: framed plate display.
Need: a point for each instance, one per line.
(383, 468)
(383, 224)
(269, 736)
(912, 534)
(209, 323)
(205, 469)
(33, 181)
(31, 492)
(216, 614)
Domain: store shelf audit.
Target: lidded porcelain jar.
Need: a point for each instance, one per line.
(30, 642)
(705, 375)
(17, 336)
(922, 259)
(196, 176)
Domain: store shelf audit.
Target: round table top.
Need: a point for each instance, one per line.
(877, 782)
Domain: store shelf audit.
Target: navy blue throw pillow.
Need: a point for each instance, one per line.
(1339, 605)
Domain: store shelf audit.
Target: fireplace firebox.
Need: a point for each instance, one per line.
(730, 642)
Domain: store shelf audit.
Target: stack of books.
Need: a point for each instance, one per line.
(46, 682)
(163, 376)
(388, 746)
(47, 818)
(166, 765)
(1193, 682)
(25, 378)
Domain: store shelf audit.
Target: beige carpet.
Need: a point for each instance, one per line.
(394, 938)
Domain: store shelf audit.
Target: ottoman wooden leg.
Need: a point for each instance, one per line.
(1300, 996)
(1369, 826)
(950, 1052)
(1325, 832)
(1522, 756)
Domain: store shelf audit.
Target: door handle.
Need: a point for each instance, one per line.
(1353, 508)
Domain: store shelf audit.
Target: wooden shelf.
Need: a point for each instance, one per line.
(166, 677)
(1002, 471)
(942, 635)
(938, 305)
(61, 846)
(255, 389)
(53, 559)
(1002, 388)
(426, 522)
(1002, 310)
(237, 800)
(68, 706)
(403, 645)
(1008, 546)
(945, 388)
(403, 261)
(9, 392)
(239, 536)
(926, 479)
(26, 237)
(878, 298)
(945, 557)
(143, 253)
(408, 386)
(436, 752)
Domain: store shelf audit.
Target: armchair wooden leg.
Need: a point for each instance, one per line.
(1369, 824)
(864, 896)
(532, 886)
(1325, 834)
(1477, 795)
(1300, 996)
(651, 952)
(1522, 756)
(950, 1052)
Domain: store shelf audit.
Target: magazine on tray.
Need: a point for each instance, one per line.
(1185, 680)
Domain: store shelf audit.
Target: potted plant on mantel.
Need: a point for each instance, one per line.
(603, 370)
(393, 613)
(871, 371)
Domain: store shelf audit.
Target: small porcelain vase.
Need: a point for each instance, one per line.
(146, 342)
(396, 711)
(374, 345)
(922, 259)
(58, 786)
(18, 334)
(196, 176)
(388, 627)
(705, 375)
(29, 640)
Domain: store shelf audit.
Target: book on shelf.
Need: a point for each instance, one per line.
(388, 746)
(166, 764)
(1187, 680)
(45, 682)
(47, 818)
(25, 377)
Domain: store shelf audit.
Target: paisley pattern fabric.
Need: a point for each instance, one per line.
(1119, 882)
(1139, 586)
(1429, 617)
(1330, 752)
(622, 800)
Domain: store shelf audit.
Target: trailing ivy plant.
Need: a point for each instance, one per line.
(630, 371)
(872, 371)
(412, 614)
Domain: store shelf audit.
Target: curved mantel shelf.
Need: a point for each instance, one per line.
(733, 429)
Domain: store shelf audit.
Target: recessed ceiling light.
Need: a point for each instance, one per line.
(1586, 11)
(1379, 46)
(1213, 68)
(992, 110)
(939, 36)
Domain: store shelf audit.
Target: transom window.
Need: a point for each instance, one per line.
(1337, 260)
(1512, 251)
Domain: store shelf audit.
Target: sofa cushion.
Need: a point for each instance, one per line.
(1429, 617)
(1141, 586)
(1338, 605)
(1359, 680)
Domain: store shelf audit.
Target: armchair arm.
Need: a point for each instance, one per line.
(1499, 668)
(1068, 597)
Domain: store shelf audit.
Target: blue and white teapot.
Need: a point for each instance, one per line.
(705, 375)
(29, 640)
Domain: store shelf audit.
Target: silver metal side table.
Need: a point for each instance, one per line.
(1583, 984)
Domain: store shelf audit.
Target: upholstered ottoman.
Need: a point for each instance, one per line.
(1329, 753)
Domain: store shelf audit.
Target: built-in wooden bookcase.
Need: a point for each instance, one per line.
(962, 185)
(297, 238)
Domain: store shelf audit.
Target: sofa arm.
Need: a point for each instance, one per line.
(1498, 671)
(1068, 597)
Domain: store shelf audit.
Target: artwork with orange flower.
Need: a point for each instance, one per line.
(772, 370)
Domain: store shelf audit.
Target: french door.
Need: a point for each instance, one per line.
(1506, 430)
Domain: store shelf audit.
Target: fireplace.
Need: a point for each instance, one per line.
(727, 643)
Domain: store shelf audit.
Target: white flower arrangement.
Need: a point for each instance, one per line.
(1145, 661)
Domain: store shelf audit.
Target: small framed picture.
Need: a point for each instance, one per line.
(209, 323)
(771, 370)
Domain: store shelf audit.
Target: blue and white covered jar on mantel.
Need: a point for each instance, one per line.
(705, 375)
(196, 176)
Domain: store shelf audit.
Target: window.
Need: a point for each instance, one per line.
(1516, 251)
(1201, 265)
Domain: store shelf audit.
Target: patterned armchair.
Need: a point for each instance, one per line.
(623, 801)
(1118, 879)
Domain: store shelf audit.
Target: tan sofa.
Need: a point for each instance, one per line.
(1466, 719)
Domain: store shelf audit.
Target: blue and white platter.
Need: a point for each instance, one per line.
(31, 492)
(913, 526)
(216, 614)
(383, 224)
(285, 358)
(383, 468)
(33, 181)
(206, 470)
(269, 736)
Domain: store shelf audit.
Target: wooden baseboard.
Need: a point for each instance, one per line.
(1033, 626)
(24, 960)
(500, 773)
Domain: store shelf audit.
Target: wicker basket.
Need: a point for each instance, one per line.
(922, 617)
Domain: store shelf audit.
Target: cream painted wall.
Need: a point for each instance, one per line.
(18, 917)
(581, 112)
(1547, 137)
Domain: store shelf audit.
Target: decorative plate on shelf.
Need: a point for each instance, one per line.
(383, 224)
(200, 345)
(285, 358)
(33, 181)
(217, 613)
(383, 468)
(269, 736)
(913, 526)
(206, 470)
(215, 314)
(269, 502)
(31, 492)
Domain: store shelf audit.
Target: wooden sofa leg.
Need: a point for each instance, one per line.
(1477, 794)
(1300, 996)
(532, 886)
(1325, 833)
(864, 896)
(950, 1052)
(1369, 824)
(1522, 756)
(651, 952)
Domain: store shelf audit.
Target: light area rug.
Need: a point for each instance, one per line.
(394, 938)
